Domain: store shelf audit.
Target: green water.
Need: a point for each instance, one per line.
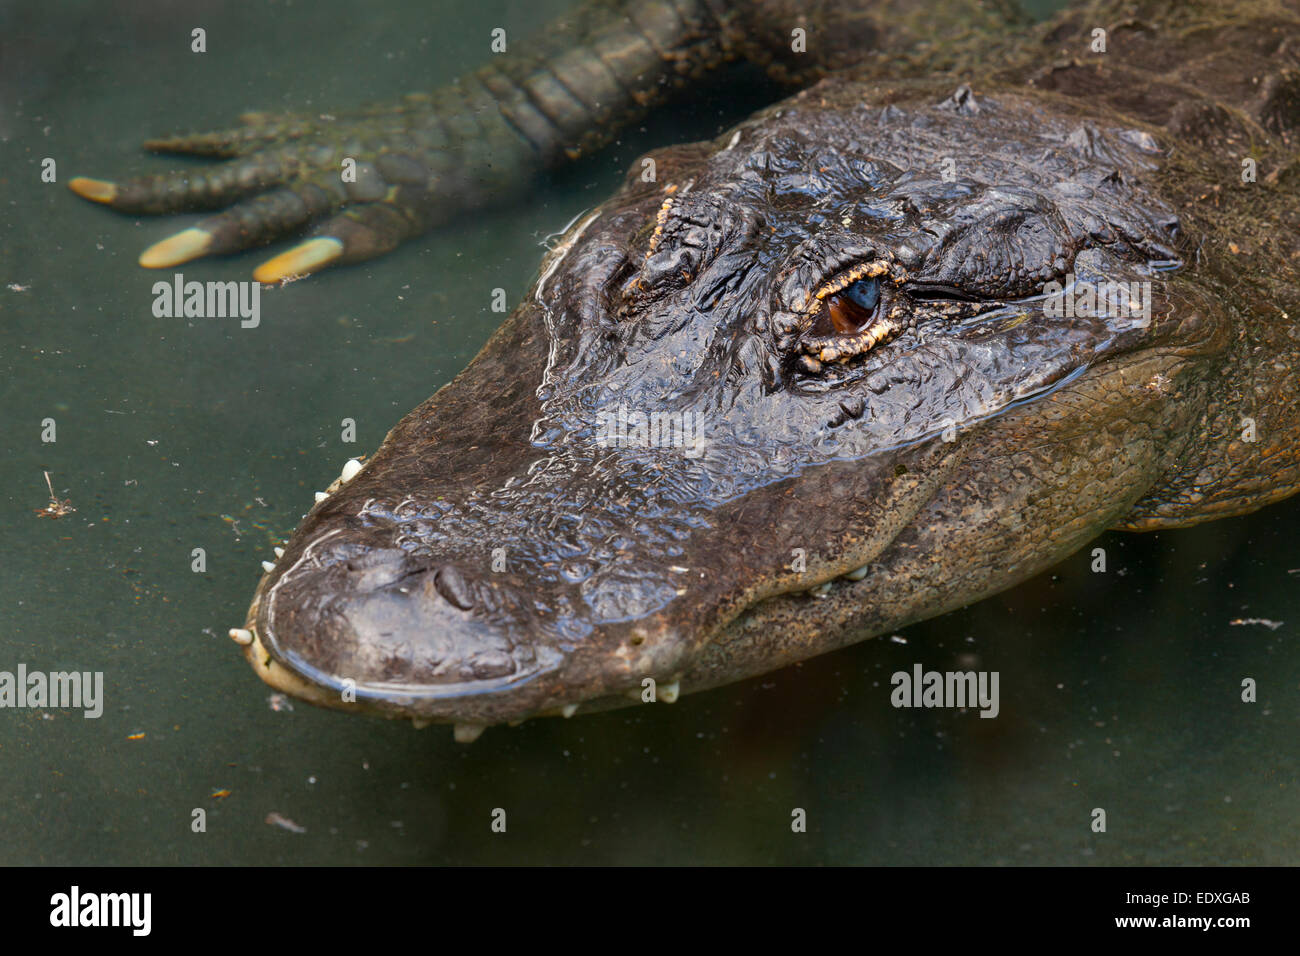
(1118, 690)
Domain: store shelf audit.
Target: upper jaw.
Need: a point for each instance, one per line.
(399, 597)
(523, 580)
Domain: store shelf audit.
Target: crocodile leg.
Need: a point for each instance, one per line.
(363, 182)
(431, 156)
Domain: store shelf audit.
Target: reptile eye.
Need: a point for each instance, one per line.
(852, 308)
(849, 316)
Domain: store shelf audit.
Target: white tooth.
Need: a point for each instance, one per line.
(467, 733)
(241, 636)
(350, 469)
(321, 496)
(857, 574)
(419, 723)
(568, 710)
(820, 590)
(268, 567)
(279, 553)
(668, 693)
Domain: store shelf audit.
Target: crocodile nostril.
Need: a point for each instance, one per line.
(375, 558)
(451, 584)
(376, 568)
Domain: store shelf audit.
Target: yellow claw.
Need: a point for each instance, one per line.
(182, 247)
(312, 256)
(96, 190)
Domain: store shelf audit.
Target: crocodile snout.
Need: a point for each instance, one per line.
(382, 629)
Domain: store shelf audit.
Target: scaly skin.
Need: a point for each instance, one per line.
(846, 293)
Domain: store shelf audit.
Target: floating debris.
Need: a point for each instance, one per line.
(284, 823)
(1242, 621)
(57, 507)
(279, 702)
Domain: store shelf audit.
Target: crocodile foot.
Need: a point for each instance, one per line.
(360, 184)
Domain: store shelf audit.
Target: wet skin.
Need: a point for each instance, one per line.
(844, 296)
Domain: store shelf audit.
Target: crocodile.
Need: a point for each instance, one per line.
(975, 292)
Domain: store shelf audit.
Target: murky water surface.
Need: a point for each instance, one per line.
(1119, 690)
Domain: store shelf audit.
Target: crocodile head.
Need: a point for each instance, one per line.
(804, 384)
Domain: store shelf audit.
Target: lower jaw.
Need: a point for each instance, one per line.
(286, 681)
